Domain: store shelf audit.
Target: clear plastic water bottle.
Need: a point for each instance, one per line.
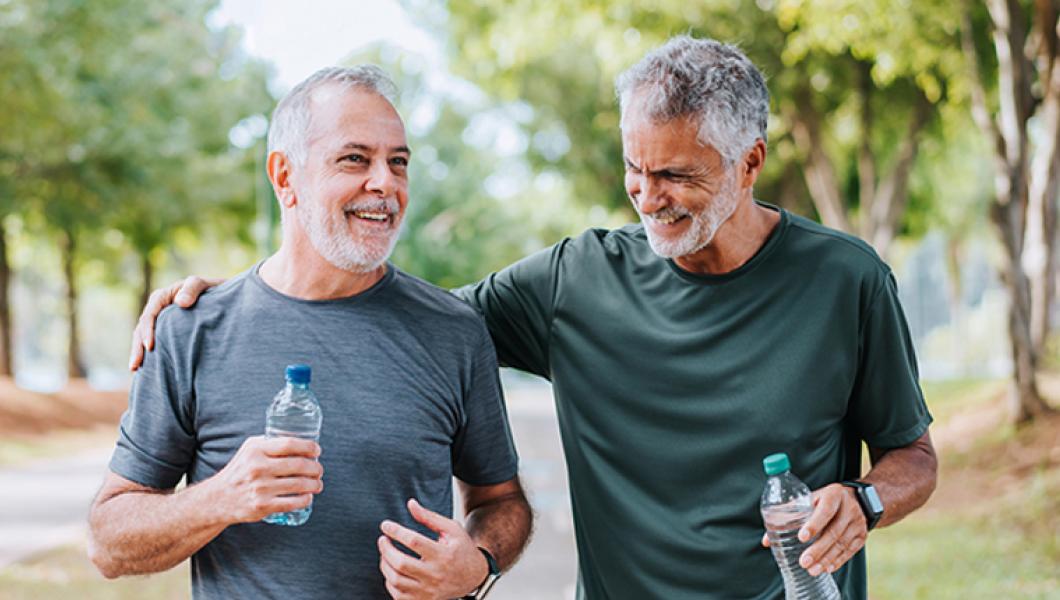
(786, 506)
(294, 412)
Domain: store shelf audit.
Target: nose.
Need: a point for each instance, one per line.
(647, 195)
(381, 180)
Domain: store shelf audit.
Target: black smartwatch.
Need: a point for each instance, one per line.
(491, 578)
(869, 501)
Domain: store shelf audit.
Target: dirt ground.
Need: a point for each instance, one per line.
(27, 415)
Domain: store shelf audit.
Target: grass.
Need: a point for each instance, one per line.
(948, 398)
(992, 529)
(67, 573)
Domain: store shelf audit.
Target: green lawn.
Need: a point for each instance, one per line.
(1000, 538)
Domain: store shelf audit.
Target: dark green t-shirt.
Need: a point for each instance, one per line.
(671, 387)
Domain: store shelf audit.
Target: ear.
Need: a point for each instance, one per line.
(752, 164)
(279, 169)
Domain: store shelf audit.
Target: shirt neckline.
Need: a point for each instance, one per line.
(363, 295)
(763, 252)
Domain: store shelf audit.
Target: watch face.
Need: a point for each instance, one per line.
(873, 498)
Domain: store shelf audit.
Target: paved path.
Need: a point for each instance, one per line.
(46, 502)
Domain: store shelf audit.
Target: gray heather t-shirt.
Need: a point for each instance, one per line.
(407, 380)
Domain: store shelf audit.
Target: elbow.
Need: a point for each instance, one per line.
(100, 554)
(103, 561)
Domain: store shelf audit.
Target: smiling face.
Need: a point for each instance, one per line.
(681, 188)
(350, 195)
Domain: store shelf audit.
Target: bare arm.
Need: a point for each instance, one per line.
(904, 479)
(498, 519)
(135, 529)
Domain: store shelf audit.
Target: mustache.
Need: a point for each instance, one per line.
(387, 205)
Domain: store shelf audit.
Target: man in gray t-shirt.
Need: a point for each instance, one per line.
(405, 373)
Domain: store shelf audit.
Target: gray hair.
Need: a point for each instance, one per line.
(705, 79)
(289, 129)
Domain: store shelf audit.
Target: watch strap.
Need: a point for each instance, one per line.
(491, 577)
(861, 489)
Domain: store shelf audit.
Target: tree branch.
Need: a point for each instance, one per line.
(866, 157)
(819, 171)
(980, 110)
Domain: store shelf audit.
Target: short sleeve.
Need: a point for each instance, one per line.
(887, 409)
(156, 439)
(517, 304)
(483, 452)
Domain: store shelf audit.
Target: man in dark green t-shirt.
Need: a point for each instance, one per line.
(684, 349)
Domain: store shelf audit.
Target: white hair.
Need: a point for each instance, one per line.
(289, 129)
(704, 79)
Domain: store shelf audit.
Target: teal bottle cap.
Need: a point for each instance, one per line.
(776, 464)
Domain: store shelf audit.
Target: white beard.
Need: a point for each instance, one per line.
(330, 236)
(704, 226)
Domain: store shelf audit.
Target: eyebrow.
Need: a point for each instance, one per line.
(679, 170)
(367, 148)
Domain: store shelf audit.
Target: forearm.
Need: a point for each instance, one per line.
(502, 526)
(139, 532)
(904, 478)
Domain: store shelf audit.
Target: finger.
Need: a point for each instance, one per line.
(294, 466)
(266, 506)
(417, 542)
(288, 486)
(193, 287)
(826, 505)
(158, 300)
(830, 541)
(849, 542)
(136, 353)
(399, 561)
(765, 540)
(399, 586)
(432, 520)
(290, 446)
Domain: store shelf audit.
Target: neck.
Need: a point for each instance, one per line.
(297, 270)
(735, 242)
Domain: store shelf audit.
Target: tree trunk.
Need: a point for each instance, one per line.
(1009, 209)
(1040, 255)
(892, 195)
(5, 307)
(1025, 403)
(147, 273)
(74, 367)
(819, 172)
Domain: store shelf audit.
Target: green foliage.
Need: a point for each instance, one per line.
(561, 59)
(120, 113)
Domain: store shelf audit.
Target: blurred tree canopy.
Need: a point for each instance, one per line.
(117, 117)
(856, 85)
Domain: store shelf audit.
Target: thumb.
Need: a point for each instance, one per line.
(432, 520)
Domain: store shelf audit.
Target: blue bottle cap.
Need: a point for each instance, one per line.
(776, 464)
(298, 374)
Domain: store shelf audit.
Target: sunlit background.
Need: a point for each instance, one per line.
(131, 154)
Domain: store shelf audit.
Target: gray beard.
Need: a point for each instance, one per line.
(705, 225)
